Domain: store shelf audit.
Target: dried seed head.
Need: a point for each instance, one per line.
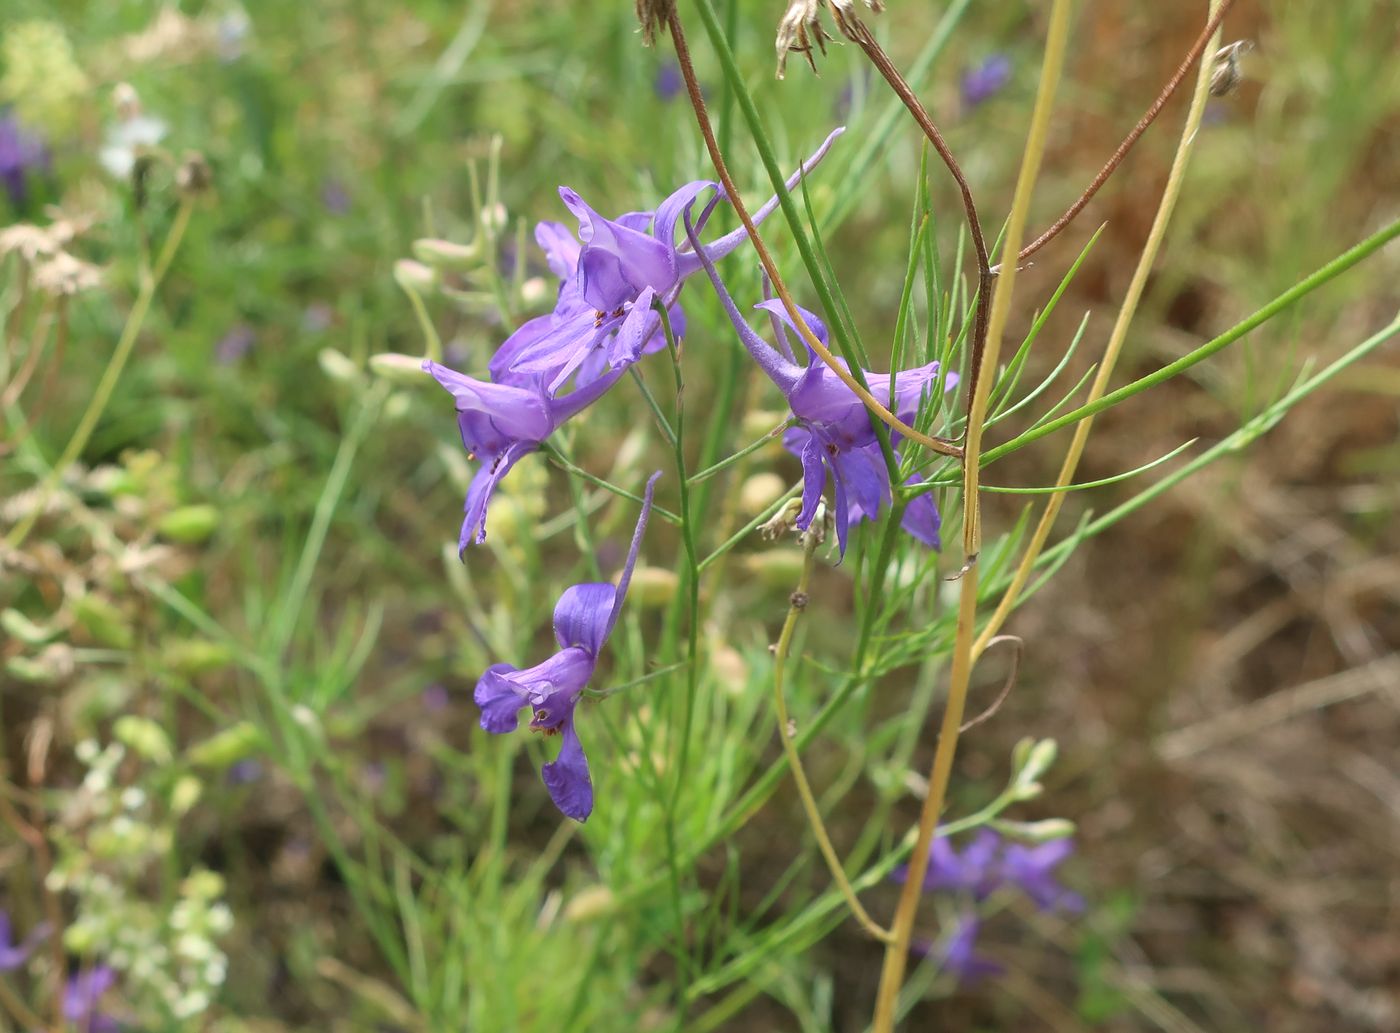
(65, 275)
(800, 27)
(653, 14)
(1226, 73)
(194, 176)
(28, 240)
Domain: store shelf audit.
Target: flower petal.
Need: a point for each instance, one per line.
(567, 778)
(560, 247)
(582, 615)
(499, 699)
(625, 578)
(640, 323)
(488, 475)
(519, 412)
(813, 476)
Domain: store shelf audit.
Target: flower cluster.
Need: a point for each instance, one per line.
(613, 276)
(617, 299)
(986, 866)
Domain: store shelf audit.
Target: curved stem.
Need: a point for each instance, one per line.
(1111, 166)
(897, 951)
(150, 281)
(1111, 352)
(702, 118)
(797, 605)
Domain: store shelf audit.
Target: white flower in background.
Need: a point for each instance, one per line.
(131, 135)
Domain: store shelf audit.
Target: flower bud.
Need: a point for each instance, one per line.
(398, 368)
(224, 749)
(338, 366)
(144, 737)
(589, 904)
(775, 568)
(184, 794)
(414, 277)
(189, 525)
(444, 254)
(20, 627)
(104, 621)
(192, 657)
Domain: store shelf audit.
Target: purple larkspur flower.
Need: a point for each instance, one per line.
(975, 871)
(958, 956)
(1032, 870)
(436, 698)
(834, 433)
(668, 82)
(584, 617)
(985, 80)
(612, 272)
(82, 996)
(500, 423)
(21, 153)
(335, 196)
(13, 955)
(235, 344)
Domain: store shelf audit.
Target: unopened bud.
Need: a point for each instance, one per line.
(189, 525)
(759, 492)
(414, 276)
(144, 737)
(192, 657)
(18, 626)
(338, 366)
(104, 621)
(589, 904)
(184, 794)
(397, 368)
(225, 749)
(445, 254)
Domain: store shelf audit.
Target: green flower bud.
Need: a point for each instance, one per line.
(338, 366)
(414, 277)
(652, 586)
(759, 492)
(444, 254)
(104, 621)
(226, 748)
(143, 736)
(775, 568)
(398, 368)
(189, 525)
(21, 627)
(184, 794)
(196, 656)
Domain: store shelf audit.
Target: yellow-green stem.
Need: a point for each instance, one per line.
(1111, 352)
(799, 775)
(897, 951)
(150, 282)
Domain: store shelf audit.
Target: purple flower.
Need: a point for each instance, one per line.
(500, 423)
(983, 81)
(974, 872)
(20, 153)
(335, 196)
(958, 955)
(1032, 870)
(235, 344)
(13, 955)
(612, 272)
(436, 698)
(835, 434)
(584, 617)
(668, 82)
(81, 996)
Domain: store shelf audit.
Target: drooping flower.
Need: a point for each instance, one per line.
(500, 423)
(13, 955)
(82, 997)
(834, 433)
(1032, 870)
(612, 272)
(584, 617)
(985, 80)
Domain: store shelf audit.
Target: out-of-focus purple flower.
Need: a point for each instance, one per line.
(985, 80)
(668, 82)
(318, 316)
(13, 955)
(500, 423)
(612, 272)
(83, 994)
(436, 699)
(959, 957)
(335, 196)
(584, 617)
(1032, 870)
(235, 344)
(21, 153)
(245, 772)
(974, 872)
(834, 434)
